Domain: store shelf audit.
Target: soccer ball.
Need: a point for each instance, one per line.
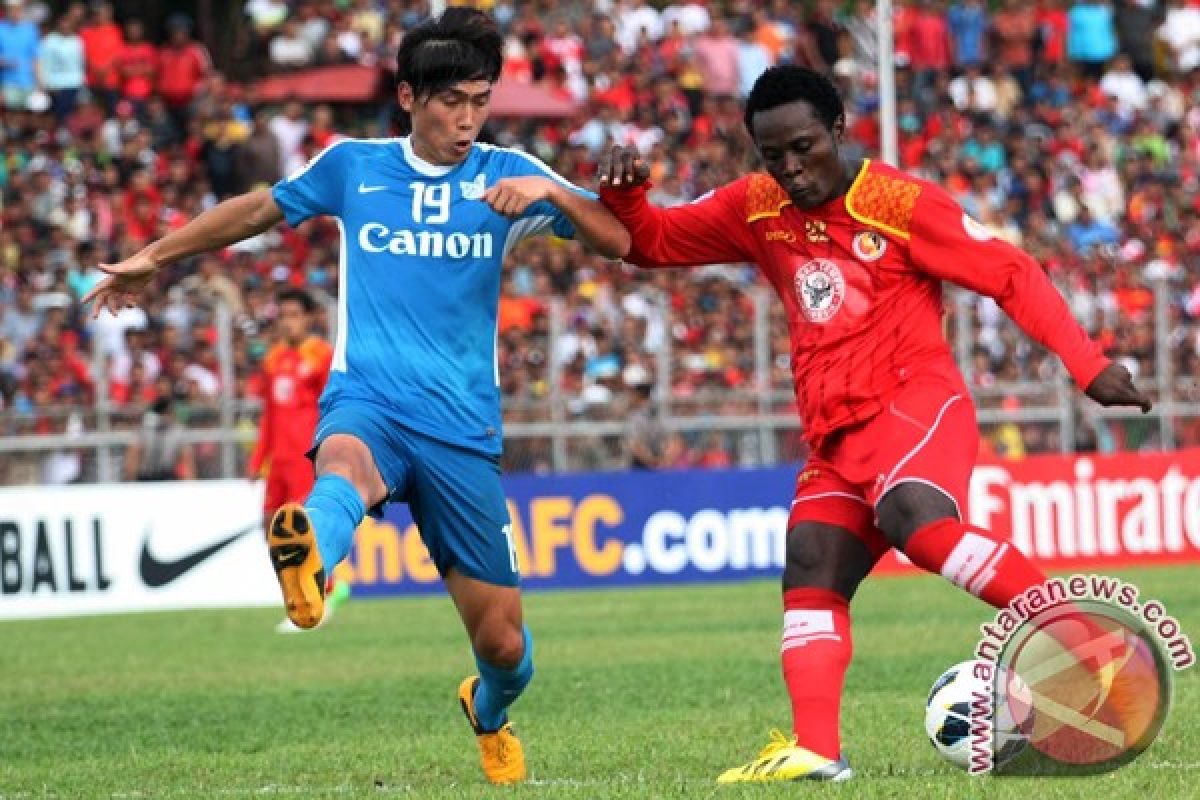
(948, 714)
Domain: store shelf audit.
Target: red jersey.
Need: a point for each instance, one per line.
(292, 380)
(137, 63)
(180, 70)
(102, 45)
(861, 280)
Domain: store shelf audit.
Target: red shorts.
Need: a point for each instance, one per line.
(289, 480)
(926, 433)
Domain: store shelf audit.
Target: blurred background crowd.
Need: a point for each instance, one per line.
(1071, 129)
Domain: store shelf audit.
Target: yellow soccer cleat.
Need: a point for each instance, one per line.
(500, 751)
(292, 545)
(783, 760)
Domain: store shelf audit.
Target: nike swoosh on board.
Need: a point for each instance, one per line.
(157, 573)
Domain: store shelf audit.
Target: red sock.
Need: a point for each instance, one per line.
(974, 559)
(816, 652)
(994, 571)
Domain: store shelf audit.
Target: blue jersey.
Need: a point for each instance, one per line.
(419, 277)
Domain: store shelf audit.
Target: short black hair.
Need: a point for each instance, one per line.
(297, 295)
(463, 44)
(788, 83)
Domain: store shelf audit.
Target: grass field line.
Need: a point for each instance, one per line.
(260, 791)
(283, 790)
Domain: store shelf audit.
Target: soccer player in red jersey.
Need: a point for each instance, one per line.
(857, 254)
(293, 374)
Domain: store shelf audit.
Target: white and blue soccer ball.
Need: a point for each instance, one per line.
(1003, 706)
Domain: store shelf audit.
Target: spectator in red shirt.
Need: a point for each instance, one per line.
(618, 94)
(929, 45)
(142, 225)
(712, 452)
(102, 46)
(141, 187)
(903, 17)
(1052, 26)
(566, 47)
(136, 64)
(136, 390)
(518, 66)
(183, 64)
(1015, 29)
(322, 129)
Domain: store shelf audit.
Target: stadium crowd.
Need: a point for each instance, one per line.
(1071, 129)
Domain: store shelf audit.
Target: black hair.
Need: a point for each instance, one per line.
(303, 298)
(462, 44)
(788, 83)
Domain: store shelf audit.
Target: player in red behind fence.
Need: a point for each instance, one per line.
(293, 374)
(857, 254)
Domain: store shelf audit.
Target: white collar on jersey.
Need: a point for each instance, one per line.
(421, 165)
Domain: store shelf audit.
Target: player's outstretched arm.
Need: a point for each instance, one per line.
(231, 221)
(709, 230)
(593, 223)
(949, 245)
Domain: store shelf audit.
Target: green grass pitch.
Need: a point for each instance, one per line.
(643, 693)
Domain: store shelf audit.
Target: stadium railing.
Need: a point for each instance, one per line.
(753, 425)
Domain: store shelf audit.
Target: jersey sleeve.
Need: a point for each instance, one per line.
(316, 188)
(948, 244)
(710, 230)
(319, 355)
(542, 216)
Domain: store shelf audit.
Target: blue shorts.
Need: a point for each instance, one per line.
(454, 493)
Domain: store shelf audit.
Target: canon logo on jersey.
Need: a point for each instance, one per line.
(375, 237)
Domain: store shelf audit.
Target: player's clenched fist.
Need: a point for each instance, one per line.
(1114, 387)
(511, 196)
(622, 167)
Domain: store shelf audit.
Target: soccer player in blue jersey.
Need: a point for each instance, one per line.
(411, 412)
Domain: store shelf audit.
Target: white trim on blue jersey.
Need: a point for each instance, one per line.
(522, 228)
(496, 352)
(421, 165)
(312, 162)
(343, 317)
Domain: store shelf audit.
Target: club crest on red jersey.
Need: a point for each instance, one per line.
(821, 288)
(868, 246)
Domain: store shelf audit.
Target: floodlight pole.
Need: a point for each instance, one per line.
(887, 83)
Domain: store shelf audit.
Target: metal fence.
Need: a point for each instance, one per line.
(563, 431)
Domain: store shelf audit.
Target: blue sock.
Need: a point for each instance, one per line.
(499, 687)
(335, 508)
